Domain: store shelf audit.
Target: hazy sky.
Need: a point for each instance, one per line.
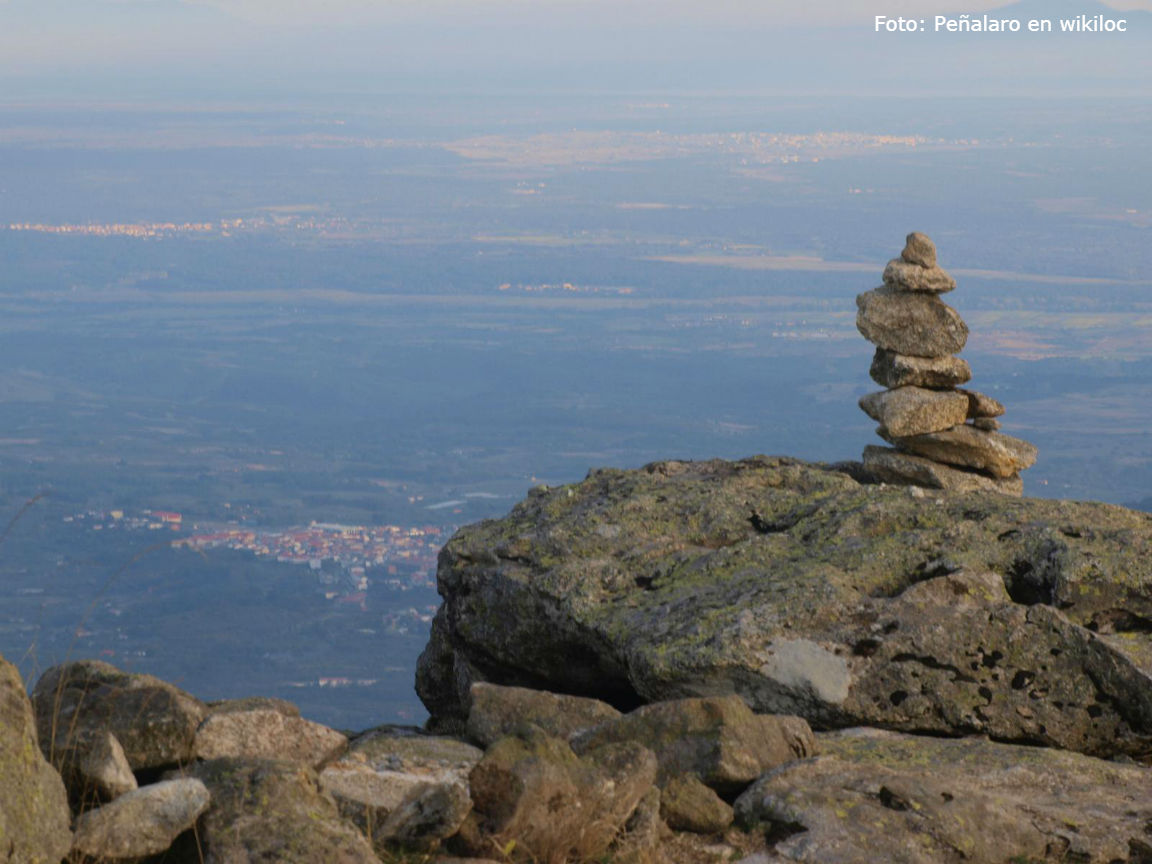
(785, 11)
(354, 45)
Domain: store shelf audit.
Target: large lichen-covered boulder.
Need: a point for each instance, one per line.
(806, 592)
(76, 703)
(34, 815)
(882, 796)
(265, 810)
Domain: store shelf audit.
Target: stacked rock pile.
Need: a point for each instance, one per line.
(943, 436)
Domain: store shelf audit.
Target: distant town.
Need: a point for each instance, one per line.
(348, 558)
(134, 229)
(221, 227)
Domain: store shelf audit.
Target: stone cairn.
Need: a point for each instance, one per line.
(943, 436)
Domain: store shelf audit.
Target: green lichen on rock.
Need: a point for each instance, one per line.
(537, 800)
(880, 796)
(154, 721)
(34, 816)
(264, 810)
(717, 739)
(786, 583)
(686, 804)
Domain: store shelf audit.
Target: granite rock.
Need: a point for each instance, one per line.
(804, 591)
(919, 325)
(876, 796)
(143, 822)
(686, 804)
(266, 733)
(496, 712)
(393, 778)
(97, 767)
(718, 739)
(980, 405)
(915, 410)
(890, 369)
(911, 277)
(919, 249)
(425, 816)
(891, 466)
(268, 810)
(154, 721)
(993, 453)
(536, 798)
(34, 816)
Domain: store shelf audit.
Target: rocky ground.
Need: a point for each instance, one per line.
(756, 661)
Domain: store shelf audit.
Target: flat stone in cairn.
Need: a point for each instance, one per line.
(980, 405)
(890, 369)
(912, 277)
(986, 423)
(903, 469)
(916, 411)
(994, 453)
(917, 324)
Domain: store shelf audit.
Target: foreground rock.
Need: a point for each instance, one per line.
(534, 797)
(686, 804)
(424, 817)
(153, 721)
(808, 593)
(99, 768)
(265, 810)
(875, 796)
(34, 815)
(143, 822)
(717, 739)
(271, 731)
(397, 785)
(496, 712)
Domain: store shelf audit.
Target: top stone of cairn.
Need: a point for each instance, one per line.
(916, 269)
(919, 249)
